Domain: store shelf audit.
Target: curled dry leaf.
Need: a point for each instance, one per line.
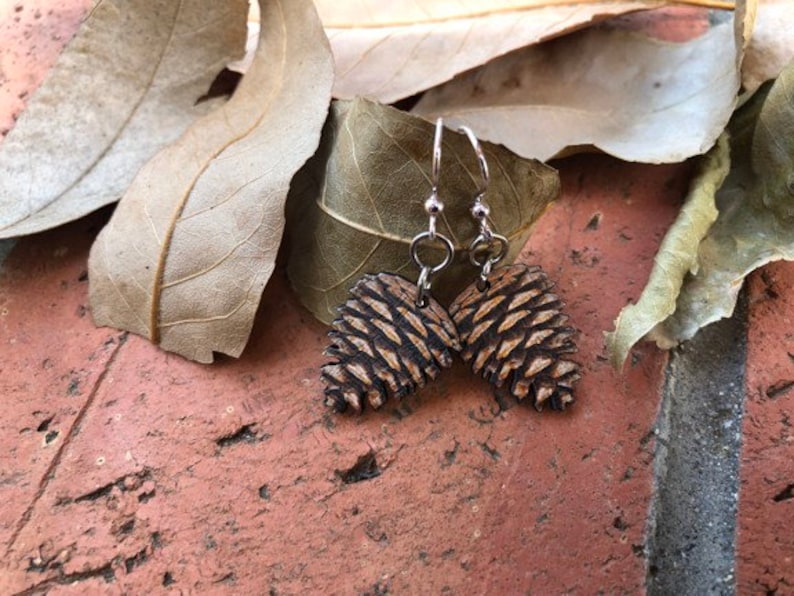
(390, 50)
(755, 224)
(677, 256)
(772, 44)
(124, 87)
(745, 13)
(186, 255)
(631, 96)
(355, 207)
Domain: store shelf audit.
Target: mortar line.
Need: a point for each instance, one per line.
(74, 429)
(691, 533)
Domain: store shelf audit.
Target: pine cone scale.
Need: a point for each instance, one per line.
(388, 330)
(478, 331)
(359, 324)
(420, 345)
(513, 333)
(443, 339)
(384, 345)
(414, 321)
(543, 316)
(488, 307)
(537, 337)
(481, 358)
(357, 343)
(511, 320)
(538, 364)
(389, 357)
(507, 346)
(360, 373)
(523, 297)
(378, 307)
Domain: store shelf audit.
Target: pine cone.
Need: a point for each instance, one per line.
(384, 345)
(513, 332)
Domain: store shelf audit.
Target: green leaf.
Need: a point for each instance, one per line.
(358, 203)
(754, 226)
(773, 147)
(676, 257)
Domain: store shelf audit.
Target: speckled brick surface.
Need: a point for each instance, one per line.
(135, 468)
(765, 550)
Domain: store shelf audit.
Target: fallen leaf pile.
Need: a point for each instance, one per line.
(207, 184)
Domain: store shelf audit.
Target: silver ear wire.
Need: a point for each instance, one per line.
(433, 206)
(488, 248)
(436, 168)
(486, 178)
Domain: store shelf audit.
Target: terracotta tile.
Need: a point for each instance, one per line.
(48, 370)
(765, 550)
(220, 475)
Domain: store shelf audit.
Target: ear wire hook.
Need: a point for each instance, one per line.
(488, 248)
(475, 143)
(433, 204)
(436, 169)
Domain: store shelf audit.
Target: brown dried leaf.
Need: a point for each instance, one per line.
(186, 255)
(124, 88)
(355, 207)
(628, 95)
(391, 50)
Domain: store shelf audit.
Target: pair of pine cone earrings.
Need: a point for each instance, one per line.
(392, 336)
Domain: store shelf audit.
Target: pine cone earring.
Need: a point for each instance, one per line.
(391, 336)
(511, 326)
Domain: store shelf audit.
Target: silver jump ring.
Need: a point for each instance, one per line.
(449, 251)
(423, 284)
(482, 243)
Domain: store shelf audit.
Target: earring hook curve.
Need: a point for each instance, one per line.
(475, 143)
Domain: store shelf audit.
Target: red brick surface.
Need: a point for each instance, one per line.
(225, 477)
(765, 551)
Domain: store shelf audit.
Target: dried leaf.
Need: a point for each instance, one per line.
(745, 14)
(358, 203)
(186, 255)
(772, 44)
(676, 257)
(391, 50)
(755, 224)
(630, 96)
(124, 88)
